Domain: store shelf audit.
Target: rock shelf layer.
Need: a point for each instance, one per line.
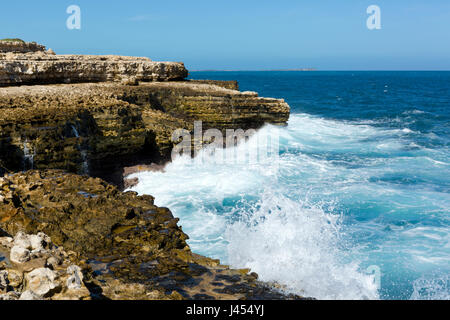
(29, 63)
(101, 127)
(18, 46)
(40, 67)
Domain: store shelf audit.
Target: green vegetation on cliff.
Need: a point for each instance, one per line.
(12, 40)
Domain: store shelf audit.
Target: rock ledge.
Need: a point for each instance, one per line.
(30, 63)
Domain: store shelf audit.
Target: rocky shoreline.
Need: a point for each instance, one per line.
(67, 139)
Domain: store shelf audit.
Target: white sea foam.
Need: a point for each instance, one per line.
(287, 241)
(280, 223)
(297, 246)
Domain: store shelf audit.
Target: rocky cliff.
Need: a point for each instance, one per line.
(99, 128)
(29, 63)
(123, 245)
(94, 116)
(19, 46)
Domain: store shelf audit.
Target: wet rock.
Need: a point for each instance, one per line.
(130, 182)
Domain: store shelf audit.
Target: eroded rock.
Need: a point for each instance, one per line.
(100, 128)
(42, 281)
(30, 295)
(48, 273)
(117, 245)
(75, 279)
(30, 63)
(19, 254)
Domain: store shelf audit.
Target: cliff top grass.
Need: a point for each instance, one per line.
(12, 40)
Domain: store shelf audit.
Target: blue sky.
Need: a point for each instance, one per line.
(246, 34)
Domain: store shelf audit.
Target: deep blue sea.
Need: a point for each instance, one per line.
(359, 204)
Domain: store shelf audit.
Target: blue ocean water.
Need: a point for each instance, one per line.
(359, 204)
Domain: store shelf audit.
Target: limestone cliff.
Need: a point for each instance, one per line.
(95, 115)
(29, 63)
(19, 46)
(93, 127)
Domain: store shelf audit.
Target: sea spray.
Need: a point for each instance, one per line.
(382, 159)
(298, 246)
(232, 212)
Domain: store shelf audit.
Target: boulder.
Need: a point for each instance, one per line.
(19, 254)
(75, 279)
(22, 240)
(42, 281)
(29, 295)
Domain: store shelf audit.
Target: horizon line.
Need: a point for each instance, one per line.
(319, 70)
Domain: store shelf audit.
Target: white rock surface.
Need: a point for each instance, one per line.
(29, 295)
(19, 254)
(43, 273)
(75, 277)
(6, 241)
(22, 240)
(37, 66)
(36, 242)
(41, 281)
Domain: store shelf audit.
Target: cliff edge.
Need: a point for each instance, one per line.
(65, 121)
(29, 63)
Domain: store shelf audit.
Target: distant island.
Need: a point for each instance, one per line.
(219, 70)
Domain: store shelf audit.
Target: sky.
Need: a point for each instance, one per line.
(245, 34)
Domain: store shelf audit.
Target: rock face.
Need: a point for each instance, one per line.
(95, 115)
(17, 46)
(29, 63)
(40, 67)
(100, 128)
(118, 245)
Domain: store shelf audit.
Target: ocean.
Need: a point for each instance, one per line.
(357, 203)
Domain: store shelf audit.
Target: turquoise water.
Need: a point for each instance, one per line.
(356, 206)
